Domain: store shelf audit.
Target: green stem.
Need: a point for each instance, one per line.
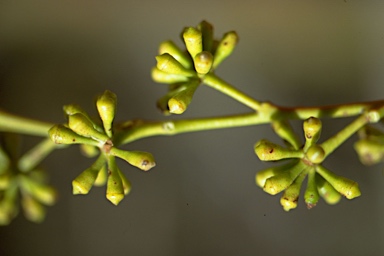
(215, 82)
(13, 123)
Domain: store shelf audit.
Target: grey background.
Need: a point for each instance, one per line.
(201, 198)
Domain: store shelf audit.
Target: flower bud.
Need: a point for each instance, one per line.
(41, 192)
(141, 160)
(193, 41)
(263, 175)
(88, 150)
(115, 190)
(326, 191)
(315, 154)
(312, 131)
(268, 151)
(311, 195)
(291, 195)
(207, 34)
(369, 152)
(171, 48)
(346, 187)
(101, 177)
(179, 102)
(83, 183)
(4, 161)
(63, 135)
(225, 48)
(106, 106)
(169, 64)
(166, 78)
(281, 181)
(8, 208)
(126, 183)
(74, 109)
(203, 62)
(286, 132)
(33, 210)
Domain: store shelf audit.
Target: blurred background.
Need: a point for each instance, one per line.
(201, 198)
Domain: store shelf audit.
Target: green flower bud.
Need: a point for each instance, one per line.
(179, 102)
(346, 187)
(263, 175)
(268, 151)
(193, 39)
(74, 109)
(286, 132)
(225, 48)
(169, 64)
(63, 135)
(4, 161)
(83, 183)
(311, 195)
(291, 195)
(139, 159)
(371, 133)
(326, 191)
(369, 152)
(41, 192)
(166, 78)
(207, 34)
(315, 154)
(8, 207)
(33, 210)
(281, 181)
(171, 48)
(203, 62)
(89, 150)
(106, 106)
(101, 177)
(5, 180)
(82, 126)
(115, 190)
(312, 131)
(126, 183)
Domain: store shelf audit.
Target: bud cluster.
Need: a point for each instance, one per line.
(182, 70)
(95, 138)
(302, 162)
(27, 187)
(370, 146)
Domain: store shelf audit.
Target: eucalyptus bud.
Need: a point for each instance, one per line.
(33, 210)
(166, 78)
(315, 154)
(281, 181)
(207, 35)
(168, 64)
(346, 187)
(268, 151)
(83, 183)
(225, 48)
(291, 195)
(115, 190)
(89, 150)
(106, 106)
(179, 102)
(63, 135)
(370, 152)
(263, 175)
(312, 131)
(311, 195)
(193, 41)
(203, 62)
(101, 177)
(125, 182)
(171, 48)
(327, 191)
(74, 109)
(285, 131)
(141, 160)
(41, 192)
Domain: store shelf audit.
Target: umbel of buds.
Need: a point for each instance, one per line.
(304, 162)
(81, 129)
(182, 69)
